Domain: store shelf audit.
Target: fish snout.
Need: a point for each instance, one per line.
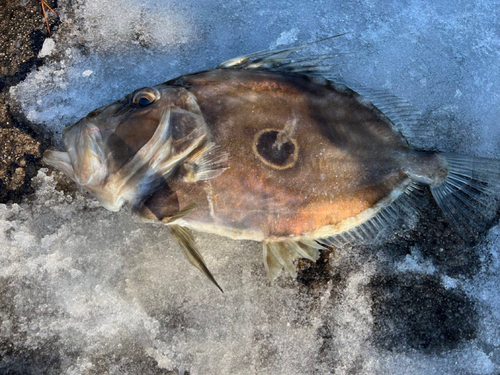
(89, 175)
(85, 148)
(59, 160)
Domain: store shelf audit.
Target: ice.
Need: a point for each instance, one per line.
(416, 263)
(87, 73)
(86, 291)
(47, 48)
(126, 290)
(287, 37)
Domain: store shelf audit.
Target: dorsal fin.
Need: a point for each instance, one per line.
(278, 60)
(405, 118)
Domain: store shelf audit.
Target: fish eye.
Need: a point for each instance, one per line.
(146, 96)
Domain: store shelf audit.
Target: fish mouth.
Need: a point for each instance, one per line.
(84, 145)
(59, 160)
(120, 164)
(87, 157)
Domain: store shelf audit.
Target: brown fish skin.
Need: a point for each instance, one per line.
(348, 157)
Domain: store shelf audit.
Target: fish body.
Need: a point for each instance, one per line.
(264, 148)
(328, 175)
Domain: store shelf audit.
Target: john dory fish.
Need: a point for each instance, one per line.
(269, 148)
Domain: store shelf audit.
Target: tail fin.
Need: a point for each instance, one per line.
(470, 194)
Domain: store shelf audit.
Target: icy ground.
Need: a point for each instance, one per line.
(86, 291)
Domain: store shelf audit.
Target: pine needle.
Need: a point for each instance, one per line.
(46, 7)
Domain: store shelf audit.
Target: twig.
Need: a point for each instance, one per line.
(44, 5)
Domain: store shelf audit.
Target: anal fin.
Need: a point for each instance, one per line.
(392, 212)
(281, 254)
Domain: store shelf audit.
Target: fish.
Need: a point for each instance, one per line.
(271, 147)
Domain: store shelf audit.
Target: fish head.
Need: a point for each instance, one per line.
(125, 150)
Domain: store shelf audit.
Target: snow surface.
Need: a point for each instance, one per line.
(86, 291)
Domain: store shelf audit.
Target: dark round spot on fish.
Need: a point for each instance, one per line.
(275, 155)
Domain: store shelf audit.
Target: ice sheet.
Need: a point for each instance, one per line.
(85, 291)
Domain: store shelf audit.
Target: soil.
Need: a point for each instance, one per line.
(22, 33)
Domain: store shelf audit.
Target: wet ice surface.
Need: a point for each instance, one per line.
(86, 291)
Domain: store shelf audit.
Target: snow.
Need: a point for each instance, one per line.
(86, 291)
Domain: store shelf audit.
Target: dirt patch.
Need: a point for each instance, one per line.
(15, 147)
(22, 33)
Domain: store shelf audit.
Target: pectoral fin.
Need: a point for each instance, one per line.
(205, 164)
(188, 246)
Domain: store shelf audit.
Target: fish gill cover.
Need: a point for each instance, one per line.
(86, 291)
